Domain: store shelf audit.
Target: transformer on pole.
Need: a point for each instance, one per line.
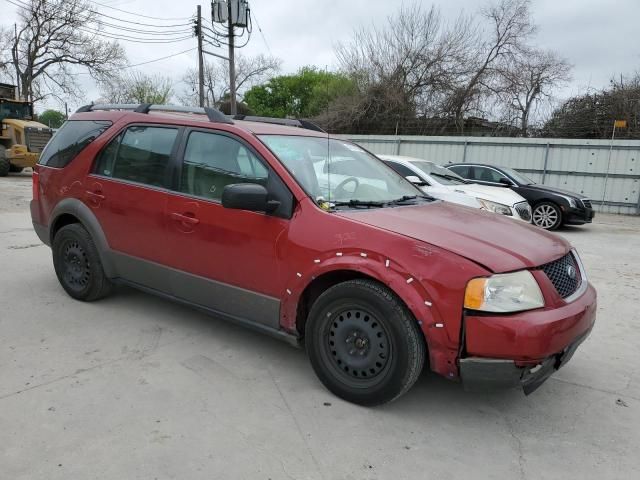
(231, 22)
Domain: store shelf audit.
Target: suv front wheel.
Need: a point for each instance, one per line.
(77, 264)
(363, 343)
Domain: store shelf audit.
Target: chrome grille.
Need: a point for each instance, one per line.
(36, 138)
(524, 210)
(586, 203)
(565, 275)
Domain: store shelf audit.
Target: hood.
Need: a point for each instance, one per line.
(493, 241)
(546, 188)
(502, 195)
(445, 193)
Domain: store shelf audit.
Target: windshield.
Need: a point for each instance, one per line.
(442, 175)
(336, 171)
(15, 110)
(518, 177)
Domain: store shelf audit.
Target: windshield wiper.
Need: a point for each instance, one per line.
(408, 199)
(359, 203)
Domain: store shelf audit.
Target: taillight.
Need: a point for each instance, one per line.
(35, 179)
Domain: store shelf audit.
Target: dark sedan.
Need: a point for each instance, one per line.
(552, 207)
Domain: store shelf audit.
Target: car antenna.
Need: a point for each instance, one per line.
(326, 78)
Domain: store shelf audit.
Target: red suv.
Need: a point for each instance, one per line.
(310, 239)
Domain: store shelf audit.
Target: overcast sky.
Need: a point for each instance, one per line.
(599, 37)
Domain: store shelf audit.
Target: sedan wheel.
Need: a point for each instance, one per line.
(547, 215)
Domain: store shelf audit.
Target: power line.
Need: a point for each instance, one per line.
(261, 34)
(144, 63)
(23, 4)
(140, 14)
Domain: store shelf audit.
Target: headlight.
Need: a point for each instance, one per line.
(507, 292)
(494, 207)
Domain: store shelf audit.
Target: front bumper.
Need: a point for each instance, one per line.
(524, 349)
(487, 374)
(578, 216)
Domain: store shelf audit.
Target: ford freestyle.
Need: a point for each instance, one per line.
(241, 218)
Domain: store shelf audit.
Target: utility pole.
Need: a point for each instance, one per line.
(200, 57)
(232, 65)
(15, 60)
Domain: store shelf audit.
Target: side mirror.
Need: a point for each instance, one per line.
(248, 196)
(506, 182)
(416, 180)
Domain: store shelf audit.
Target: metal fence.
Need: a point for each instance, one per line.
(608, 173)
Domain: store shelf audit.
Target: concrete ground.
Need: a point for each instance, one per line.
(135, 387)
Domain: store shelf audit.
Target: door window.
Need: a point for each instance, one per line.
(213, 161)
(140, 154)
(461, 170)
(400, 169)
(484, 174)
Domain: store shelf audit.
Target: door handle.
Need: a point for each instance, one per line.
(95, 195)
(186, 219)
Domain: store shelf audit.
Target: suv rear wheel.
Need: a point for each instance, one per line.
(77, 264)
(363, 343)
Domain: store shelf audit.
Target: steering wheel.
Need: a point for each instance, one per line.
(339, 191)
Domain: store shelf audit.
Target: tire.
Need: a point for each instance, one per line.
(14, 169)
(547, 215)
(77, 264)
(363, 343)
(5, 166)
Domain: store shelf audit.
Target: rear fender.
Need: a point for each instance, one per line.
(76, 208)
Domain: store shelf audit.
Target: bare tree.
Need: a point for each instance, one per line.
(54, 36)
(524, 82)
(509, 27)
(402, 67)
(137, 87)
(250, 71)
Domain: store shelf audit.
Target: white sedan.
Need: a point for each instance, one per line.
(442, 183)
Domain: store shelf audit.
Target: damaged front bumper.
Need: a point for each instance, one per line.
(487, 374)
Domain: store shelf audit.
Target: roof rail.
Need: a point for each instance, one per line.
(290, 122)
(212, 114)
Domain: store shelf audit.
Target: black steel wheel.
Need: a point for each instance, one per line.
(77, 264)
(363, 343)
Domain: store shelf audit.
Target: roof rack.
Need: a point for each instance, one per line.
(213, 114)
(290, 122)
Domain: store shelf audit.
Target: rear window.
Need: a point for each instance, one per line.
(70, 140)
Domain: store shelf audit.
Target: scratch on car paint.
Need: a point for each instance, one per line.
(299, 275)
(363, 255)
(344, 238)
(410, 279)
(317, 260)
(428, 303)
(338, 254)
(422, 251)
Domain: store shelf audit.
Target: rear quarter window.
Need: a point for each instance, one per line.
(70, 140)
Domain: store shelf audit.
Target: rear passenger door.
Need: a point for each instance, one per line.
(225, 259)
(127, 192)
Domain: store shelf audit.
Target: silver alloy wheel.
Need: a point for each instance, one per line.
(545, 216)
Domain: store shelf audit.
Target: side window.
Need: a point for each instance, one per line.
(461, 170)
(400, 169)
(487, 175)
(213, 161)
(140, 154)
(70, 140)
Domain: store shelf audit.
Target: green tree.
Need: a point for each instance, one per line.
(52, 118)
(305, 94)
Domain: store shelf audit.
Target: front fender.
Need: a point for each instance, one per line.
(399, 278)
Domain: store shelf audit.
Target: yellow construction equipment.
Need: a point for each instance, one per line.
(21, 138)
